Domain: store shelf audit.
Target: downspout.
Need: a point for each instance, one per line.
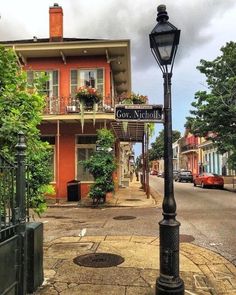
(147, 161)
(143, 154)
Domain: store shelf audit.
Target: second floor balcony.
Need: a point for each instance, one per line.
(189, 148)
(70, 105)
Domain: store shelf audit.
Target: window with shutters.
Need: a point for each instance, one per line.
(87, 77)
(50, 87)
(85, 147)
(50, 81)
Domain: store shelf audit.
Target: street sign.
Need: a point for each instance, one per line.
(99, 148)
(143, 113)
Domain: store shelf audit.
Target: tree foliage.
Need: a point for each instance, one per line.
(138, 163)
(20, 110)
(102, 165)
(156, 151)
(215, 110)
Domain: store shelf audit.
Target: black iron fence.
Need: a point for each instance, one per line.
(21, 242)
(13, 223)
(7, 199)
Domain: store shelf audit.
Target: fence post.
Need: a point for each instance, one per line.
(21, 213)
(20, 177)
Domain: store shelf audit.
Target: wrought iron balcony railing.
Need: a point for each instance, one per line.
(189, 147)
(69, 105)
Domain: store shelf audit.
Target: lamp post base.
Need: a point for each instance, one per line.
(163, 289)
(169, 282)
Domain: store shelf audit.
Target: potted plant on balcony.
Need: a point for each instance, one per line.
(132, 99)
(88, 98)
(102, 165)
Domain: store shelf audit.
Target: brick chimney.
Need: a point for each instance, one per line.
(56, 23)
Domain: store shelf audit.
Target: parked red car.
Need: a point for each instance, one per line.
(209, 180)
(153, 172)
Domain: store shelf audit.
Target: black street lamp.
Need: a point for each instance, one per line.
(164, 40)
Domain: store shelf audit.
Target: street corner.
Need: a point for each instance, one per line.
(216, 275)
(203, 271)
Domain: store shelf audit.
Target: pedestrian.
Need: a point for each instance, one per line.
(137, 174)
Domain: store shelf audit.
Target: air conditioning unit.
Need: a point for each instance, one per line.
(71, 109)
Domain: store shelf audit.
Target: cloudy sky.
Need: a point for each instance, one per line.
(206, 25)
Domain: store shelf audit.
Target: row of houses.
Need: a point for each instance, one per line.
(197, 154)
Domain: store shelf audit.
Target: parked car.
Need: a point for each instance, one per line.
(160, 174)
(153, 172)
(184, 175)
(209, 180)
(175, 173)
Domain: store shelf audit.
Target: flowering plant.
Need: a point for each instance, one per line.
(88, 95)
(134, 99)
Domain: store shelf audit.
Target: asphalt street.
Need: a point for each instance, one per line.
(209, 215)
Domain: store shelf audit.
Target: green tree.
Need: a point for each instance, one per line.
(20, 110)
(156, 151)
(215, 110)
(138, 163)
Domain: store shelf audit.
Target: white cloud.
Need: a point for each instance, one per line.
(205, 25)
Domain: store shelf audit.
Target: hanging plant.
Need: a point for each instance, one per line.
(88, 98)
(145, 128)
(134, 99)
(81, 105)
(125, 126)
(95, 109)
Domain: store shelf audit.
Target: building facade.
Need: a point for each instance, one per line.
(70, 63)
(189, 149)
(199, 155)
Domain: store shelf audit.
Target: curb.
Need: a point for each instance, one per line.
(203, 271)
(157, 197)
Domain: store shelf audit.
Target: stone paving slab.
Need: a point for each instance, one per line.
(203, 271)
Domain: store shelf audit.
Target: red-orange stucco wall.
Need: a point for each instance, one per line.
(68, 132)
(192, 157)
(67, 152)
(41, 64)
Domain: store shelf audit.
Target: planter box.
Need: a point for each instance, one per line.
(71, 109)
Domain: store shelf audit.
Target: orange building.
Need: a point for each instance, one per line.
(190, 150)
(70, 63)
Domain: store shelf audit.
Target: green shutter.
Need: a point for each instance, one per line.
(74, 77)
(55, 83)
(73, 82)
(100, 81)
(30, 78)
(55, 78)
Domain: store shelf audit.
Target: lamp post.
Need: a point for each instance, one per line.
(164, 40)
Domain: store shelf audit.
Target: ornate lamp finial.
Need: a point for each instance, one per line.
(162, 14)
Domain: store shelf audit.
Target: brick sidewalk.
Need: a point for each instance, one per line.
(203, 271)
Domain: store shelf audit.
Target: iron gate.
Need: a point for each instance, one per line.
(13, 223)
